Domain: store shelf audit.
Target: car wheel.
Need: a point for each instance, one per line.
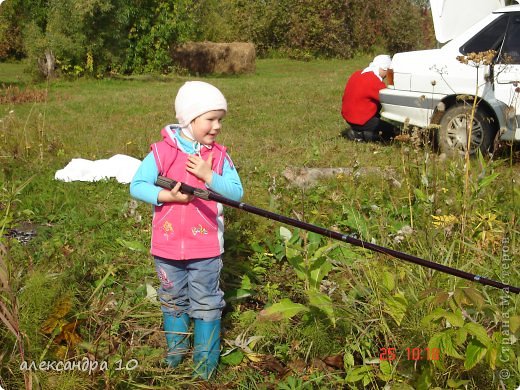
(454, 129)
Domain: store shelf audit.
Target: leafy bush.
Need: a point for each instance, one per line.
(76, 39)
(326, 28)
(153, 28)
(408, 27)
(264, 23)
(14, 16)
(319, 28)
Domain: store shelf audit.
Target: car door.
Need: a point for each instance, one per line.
(507, 72)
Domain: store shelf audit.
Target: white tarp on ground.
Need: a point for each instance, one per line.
(120, 167)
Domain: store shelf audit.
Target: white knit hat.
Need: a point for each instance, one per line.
(382, 61)
(196, 98)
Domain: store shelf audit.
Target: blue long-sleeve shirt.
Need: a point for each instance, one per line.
(143, 185)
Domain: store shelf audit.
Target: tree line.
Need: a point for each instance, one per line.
(100, 37)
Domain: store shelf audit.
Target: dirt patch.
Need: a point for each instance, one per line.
(15, 95)
(308, 177)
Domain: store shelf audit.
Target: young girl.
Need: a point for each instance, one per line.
(187, 232)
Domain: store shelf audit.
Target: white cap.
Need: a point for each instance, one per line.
(382, 61)
(196, 98)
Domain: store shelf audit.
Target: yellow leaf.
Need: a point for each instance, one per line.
(60, 311)
(492, 357)
(61, 352)
(255, 357)
(444, 220)
(69, 334)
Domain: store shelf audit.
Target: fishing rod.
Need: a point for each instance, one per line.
(167, 183)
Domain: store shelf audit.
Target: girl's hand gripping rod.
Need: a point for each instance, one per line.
(167, 183)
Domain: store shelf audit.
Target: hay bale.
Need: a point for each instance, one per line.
(219, 58)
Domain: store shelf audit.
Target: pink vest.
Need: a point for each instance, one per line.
(193, 230)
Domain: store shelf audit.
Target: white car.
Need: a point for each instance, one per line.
(434, 87)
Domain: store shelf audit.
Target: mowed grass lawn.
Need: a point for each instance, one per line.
(90, 251)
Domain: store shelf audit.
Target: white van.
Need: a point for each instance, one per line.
(433, 87)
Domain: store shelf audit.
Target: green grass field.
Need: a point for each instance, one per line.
(303, 312)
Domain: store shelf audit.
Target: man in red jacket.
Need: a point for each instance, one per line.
(361, 106)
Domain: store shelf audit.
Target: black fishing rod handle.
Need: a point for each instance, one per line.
(168, 183)
(165, 182)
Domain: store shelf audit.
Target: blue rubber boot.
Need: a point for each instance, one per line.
(206, 349)
(177, 337)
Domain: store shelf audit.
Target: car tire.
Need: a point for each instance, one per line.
(452, 134)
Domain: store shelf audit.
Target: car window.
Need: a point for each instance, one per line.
(510, 52)
(489, 38)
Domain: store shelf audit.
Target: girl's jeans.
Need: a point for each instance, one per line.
(191, 286)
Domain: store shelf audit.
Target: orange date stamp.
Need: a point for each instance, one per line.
(414, 354)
